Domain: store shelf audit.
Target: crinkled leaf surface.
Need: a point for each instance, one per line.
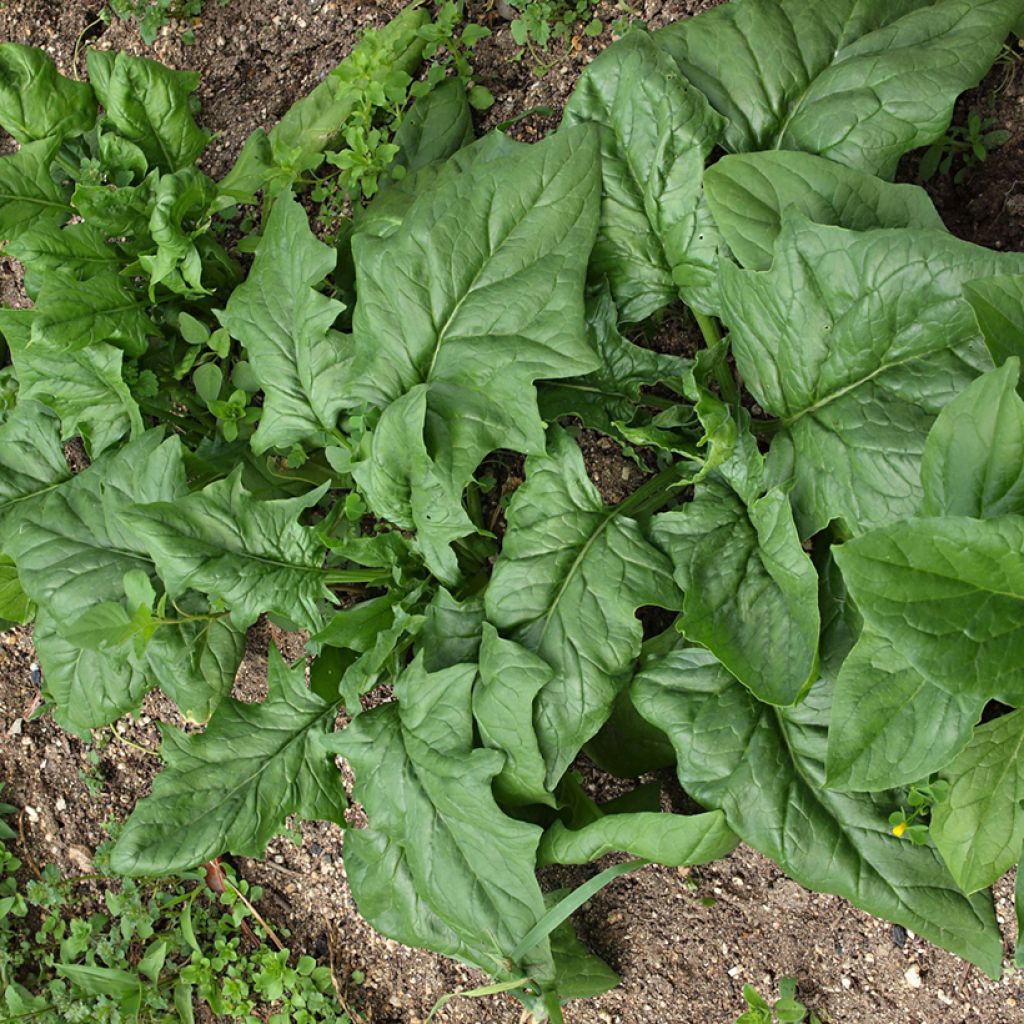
(979, 827)
(72, 314)
(750, 592)
(612, 391)
(973, 462)
(31, 461)
(858, 81)
(477, 293)
(85, 387)
(503, 705)
(853, 336)
(195, 663)
(408, 488)
(669, 839)
(459, 874)
(38, 103)
(890, 724)
(76, 250)
(149, 105)
(764, 767)
(571, 574)
(88, 688)
(285, 325)
(28, 195)
(998, 304)
(72, 548)
(748, 193)
(253, 555)
(656, 132)
(949, 594)
(230, 788)
(436, 126)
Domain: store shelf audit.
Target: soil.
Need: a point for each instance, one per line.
(685, 941)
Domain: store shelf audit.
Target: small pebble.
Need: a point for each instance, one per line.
(913, 976)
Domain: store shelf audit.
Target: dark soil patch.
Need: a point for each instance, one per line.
(987, 206)
(684, 941)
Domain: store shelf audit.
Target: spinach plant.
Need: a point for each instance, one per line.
(812, 609)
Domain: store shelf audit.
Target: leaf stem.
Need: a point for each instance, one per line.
(651, 495)
(357, 575)
(723, 375)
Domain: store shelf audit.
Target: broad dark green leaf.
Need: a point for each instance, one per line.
(84, 387)
(477, 293)
(656, 132)
(253, 555)
(571, 574)
(579, 974)
(230, 788)
(858, 81)
(107, 308)
(440, 865)
(973, 463)
(890, 725)
(195, 662)
(949, 594)
(503, 705)
(89, 689)
(149, 104)
(285, 325)
(451, 630)
(408, 488)
(436, 126)
(118, 212)
(841, 623)
(181, 204)
(38, 103)
(764, 767)
(749, 192)
(852, 336)
(750, 592)
(612, 392)
(669, 839)
(979, 828)
(29, 197)
(72, 548)
(16, 607)
(31, 461)
(998, 304)
(77, 250)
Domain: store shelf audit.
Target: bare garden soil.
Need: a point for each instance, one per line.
(685, 941)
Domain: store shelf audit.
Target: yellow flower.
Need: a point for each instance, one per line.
(899, 829)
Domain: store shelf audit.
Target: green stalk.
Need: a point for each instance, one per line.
(723, 375)
(651, 495)
(357, 576)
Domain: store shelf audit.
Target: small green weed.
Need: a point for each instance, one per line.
(150, 951)
(967, 145)
(541, 26)
(911, 824)
(355, 170)
(153, 15)
(785, 1010)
